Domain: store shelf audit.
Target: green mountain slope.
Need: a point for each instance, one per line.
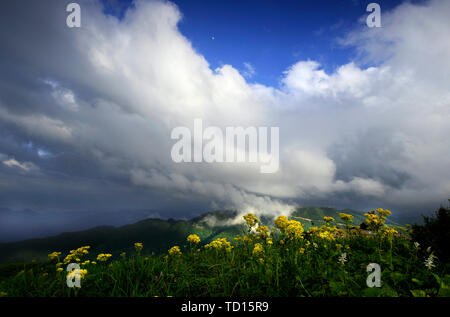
(157, 235)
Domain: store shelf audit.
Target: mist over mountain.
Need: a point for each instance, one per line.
(17, 225)
(158, 234)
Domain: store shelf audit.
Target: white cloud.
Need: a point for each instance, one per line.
(22, 166)
(343, 133)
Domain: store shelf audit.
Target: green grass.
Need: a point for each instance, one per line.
(281, 270)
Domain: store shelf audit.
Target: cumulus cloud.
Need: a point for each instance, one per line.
(104, 99)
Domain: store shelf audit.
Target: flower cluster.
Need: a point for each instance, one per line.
(262, 232)
(429, 262)
(383, 212)
(324, 232)
(175, 250)
(76, 254)
(251, 220)
(103, 257)
(328, 219)
(193, 238)
(389, 232)
(294, 229)
(343, 258)
(77, 273)
(281, 223)
(220, 244)
(54, 256)
(346, 217)
(376, 218)
(138, 246)
(326, 235)
(258, 249)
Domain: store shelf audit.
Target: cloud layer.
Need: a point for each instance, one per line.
(86, 115)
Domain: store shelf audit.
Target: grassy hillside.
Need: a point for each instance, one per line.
(280, 259)
(157, 235)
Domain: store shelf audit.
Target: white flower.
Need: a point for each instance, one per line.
(417, 245)
(428, 249)
(429, 262)
(343, 258)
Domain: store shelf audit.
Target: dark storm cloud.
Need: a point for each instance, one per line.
(86, 116)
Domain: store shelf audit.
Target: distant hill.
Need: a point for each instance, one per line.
(157, 235)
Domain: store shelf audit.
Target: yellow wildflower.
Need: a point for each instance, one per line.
(138, 246)
(263, 232)
(193, 238)
(294, 229)
(258, 248)
(251, 220)
(219, 244)
(387, 232)
(76, 254)
(346, 217)
(54, 256)
(326, 235)
(175, 250)
(281, 223)
(103, 257)
(77, 273)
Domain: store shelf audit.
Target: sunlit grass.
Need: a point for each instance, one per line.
(284, 260)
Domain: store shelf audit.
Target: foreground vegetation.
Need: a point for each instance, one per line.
(284, 260)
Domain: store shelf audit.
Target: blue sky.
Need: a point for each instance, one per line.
(269, 35)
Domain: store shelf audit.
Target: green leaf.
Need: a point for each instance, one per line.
(437, 278)
(418, 282)
(418, 293)
(444, 291)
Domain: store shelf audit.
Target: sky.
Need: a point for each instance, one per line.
(86, 113)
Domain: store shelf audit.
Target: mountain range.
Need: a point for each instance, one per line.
(157, 235)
